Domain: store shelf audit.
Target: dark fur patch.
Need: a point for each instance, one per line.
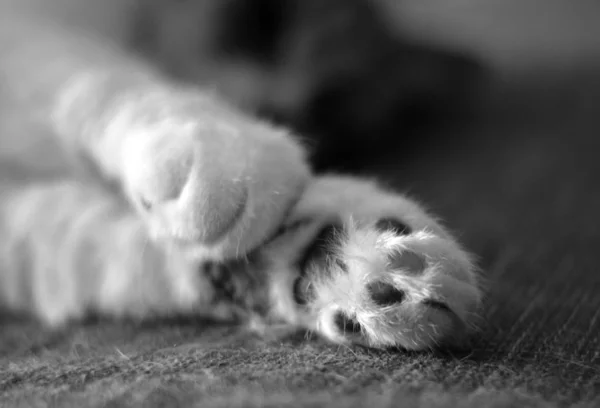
(321, 247)
(384, 294)
(239, 282)
(221, 279)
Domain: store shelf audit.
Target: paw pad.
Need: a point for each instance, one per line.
(384, 294)
(346, 324)
(408, 262)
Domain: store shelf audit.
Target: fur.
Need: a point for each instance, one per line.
(439, 288)
(128, 193)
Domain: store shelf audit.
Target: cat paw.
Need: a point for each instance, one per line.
(212, 180)
(371, 267)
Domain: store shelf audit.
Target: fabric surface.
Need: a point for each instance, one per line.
(520, 187)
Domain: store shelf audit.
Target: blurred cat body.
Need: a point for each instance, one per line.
(334, 71)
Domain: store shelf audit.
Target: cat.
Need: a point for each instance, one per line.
(135, 184)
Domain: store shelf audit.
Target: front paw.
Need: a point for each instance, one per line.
(415, 290)
(370, 267)
(210, 179)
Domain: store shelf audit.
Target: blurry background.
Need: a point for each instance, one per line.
(513, 34)
(519, 183)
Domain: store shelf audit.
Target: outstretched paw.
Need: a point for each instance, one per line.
(373, 268)
(211, 179)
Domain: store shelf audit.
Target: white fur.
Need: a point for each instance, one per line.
(218, 180)
(448, 274)
(197, 180)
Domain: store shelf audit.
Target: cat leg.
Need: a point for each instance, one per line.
(68, 249)
(197, 171)
(360, 264)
